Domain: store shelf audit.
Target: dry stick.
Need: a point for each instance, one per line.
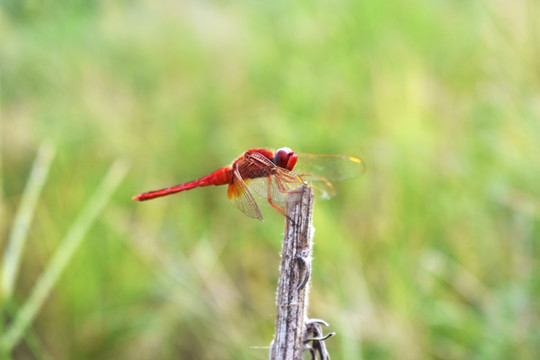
(293, 287)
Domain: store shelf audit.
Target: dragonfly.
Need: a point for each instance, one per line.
(271, 175)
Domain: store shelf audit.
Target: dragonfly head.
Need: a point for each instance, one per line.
(285, 158)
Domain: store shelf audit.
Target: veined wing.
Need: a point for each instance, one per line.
(242, 198)
(323, 170)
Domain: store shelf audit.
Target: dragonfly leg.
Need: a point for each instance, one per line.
(280, 185)
(287, 180)
(280, 209)
(270, 201)
(277, 207)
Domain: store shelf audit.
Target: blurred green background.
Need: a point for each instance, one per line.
(431, 254)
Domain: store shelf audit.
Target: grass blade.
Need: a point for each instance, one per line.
(59, 261)
(23, 218)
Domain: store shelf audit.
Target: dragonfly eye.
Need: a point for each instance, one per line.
(285, 158)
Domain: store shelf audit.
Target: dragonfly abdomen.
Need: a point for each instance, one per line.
(222, 176)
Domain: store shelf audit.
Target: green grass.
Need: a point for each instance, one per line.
(431, 254)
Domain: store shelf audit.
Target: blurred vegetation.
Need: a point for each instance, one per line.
(432, 254)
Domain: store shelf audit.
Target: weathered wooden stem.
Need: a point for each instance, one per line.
(293, 285)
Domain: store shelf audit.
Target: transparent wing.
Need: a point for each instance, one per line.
(329, 167)
(322, 186)
(242, 198)
(273, 188)
(321, 171)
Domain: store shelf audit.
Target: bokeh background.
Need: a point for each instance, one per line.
(431, 254)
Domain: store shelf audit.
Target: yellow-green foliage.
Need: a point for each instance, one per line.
(431, 254)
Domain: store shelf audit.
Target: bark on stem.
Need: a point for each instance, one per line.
(293, 285)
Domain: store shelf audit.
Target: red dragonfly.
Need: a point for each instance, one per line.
(271, 176)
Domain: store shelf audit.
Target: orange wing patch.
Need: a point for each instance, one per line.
(242, 198)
